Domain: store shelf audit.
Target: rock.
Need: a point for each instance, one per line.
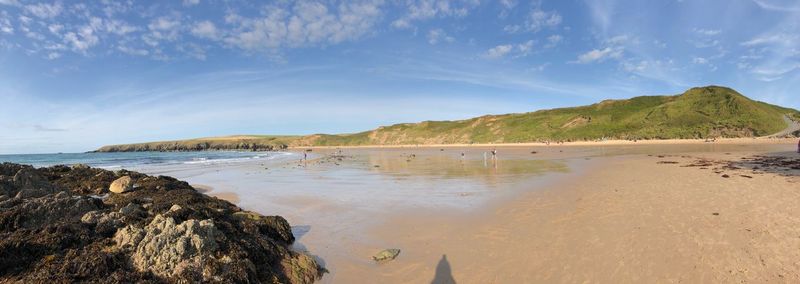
(53, 208)
(162, 246)
(133, 210)
(297, 266)
(28, 184)
(80, 167)
(76, 233)
(105, 223)
(274, 226)
(386, 255)
(121, 185)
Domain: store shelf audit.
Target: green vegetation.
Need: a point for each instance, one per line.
(697, 113)
(238, 142)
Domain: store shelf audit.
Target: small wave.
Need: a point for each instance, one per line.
(217, 161)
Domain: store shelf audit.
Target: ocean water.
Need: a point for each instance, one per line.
(132, 160)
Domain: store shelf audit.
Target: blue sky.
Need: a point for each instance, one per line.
(77, 75)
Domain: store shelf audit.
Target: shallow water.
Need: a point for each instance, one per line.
(137, 160)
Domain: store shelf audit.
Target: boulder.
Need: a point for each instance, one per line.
(106, 223)
(133, 210)
(163, 246)
(275, 227)
(121, 185)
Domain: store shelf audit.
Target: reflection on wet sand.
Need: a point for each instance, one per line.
(490, 172)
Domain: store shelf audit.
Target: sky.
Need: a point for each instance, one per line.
(75, 75)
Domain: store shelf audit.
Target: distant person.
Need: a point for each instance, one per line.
(494, 153)
(305, 156)
(798, 147)
(462, 155)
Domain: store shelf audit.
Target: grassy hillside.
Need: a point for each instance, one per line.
(698, 113)
(239, 142)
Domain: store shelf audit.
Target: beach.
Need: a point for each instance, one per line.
(669, 212)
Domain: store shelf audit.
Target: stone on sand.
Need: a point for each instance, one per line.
(386, 255)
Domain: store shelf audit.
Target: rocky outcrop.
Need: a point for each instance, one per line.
(239, 143)
(61, 224)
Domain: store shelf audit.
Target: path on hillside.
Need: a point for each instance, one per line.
(792, 127)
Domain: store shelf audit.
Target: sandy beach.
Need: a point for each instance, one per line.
(603, 213)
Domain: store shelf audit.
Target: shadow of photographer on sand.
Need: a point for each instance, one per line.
(444, 275)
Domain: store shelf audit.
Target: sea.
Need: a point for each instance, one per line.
(132, 160)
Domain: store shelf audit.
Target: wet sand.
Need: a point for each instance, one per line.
(616, 213)
(231, 197)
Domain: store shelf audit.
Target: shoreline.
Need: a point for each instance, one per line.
(231, 197)
(721, 141)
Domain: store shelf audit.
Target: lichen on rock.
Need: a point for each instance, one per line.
(163, 245)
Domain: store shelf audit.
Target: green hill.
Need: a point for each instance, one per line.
(697, 113)
(237, 142)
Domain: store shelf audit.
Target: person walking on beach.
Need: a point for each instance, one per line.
(798, 146)
(494, 154)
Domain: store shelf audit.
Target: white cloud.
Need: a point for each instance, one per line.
(162, 29)
(773, 39)
(190, 2)
(132, 51)
(778, 5)
(163, 24)
(599, 55)
(5, 24)
(438, 35)
(773, 54)
(512, 28)
(82, 40)
(43, 10)
(193, 50)
(535, 21)
(55, 28)
(418, 10)
(539, 19)
(119, 27)
(508, 4)
(553, 40)
(499, 51)
(525, 48)
(53, 55)
(519, 50)
(9, 2)
(304, 24)
(205, 29)
(55, 46)
(707, 32)
(699, 60)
